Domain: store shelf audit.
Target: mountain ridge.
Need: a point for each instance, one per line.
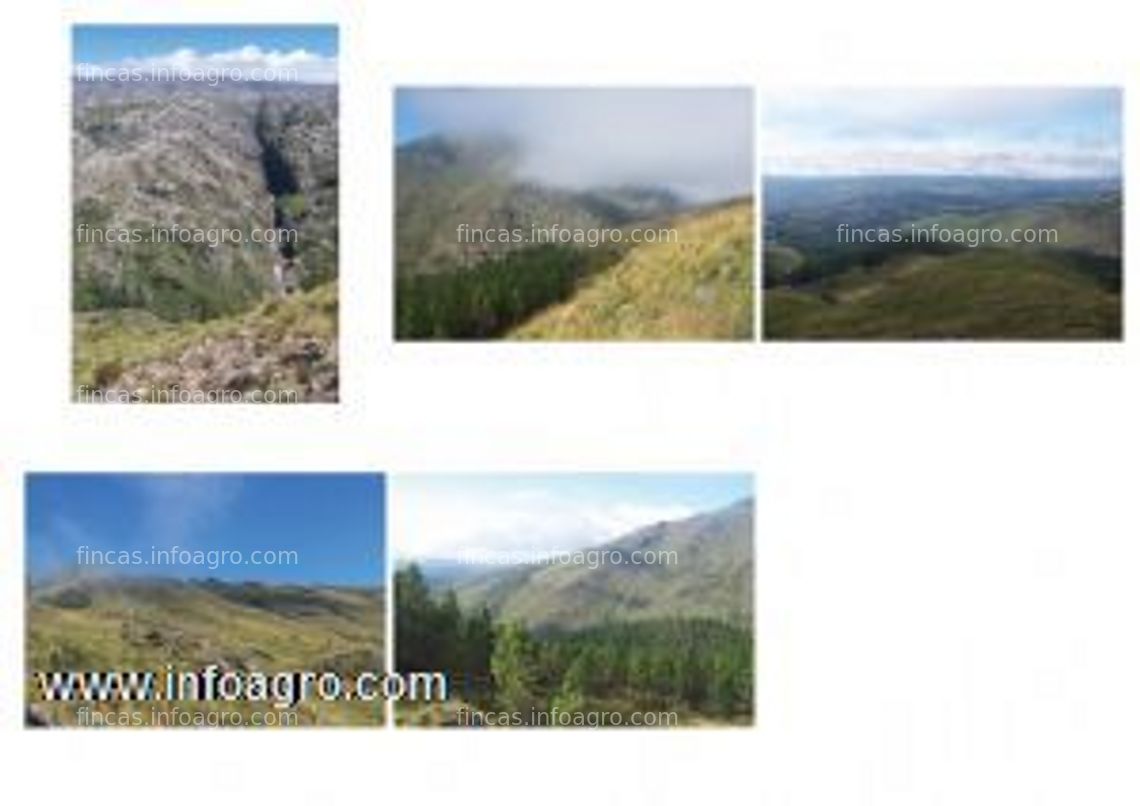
(711, 578)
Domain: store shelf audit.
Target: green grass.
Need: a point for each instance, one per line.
(167, 278)
(144, 626)
(106, 344)
(978, 294)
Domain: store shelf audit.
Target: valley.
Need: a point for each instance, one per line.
(195, 206)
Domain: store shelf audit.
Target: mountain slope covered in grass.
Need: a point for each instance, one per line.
(946, 258)
(976, 294)
(698, 287)
(145, 624)
(708, 575)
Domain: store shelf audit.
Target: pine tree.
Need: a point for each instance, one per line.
(571, 697)
(513, 668)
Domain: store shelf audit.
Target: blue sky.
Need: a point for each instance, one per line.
(334, 522)
(441, 516)
(310, 49)
(108, 43)
(695, 141)
(1035, 132)
(410, 123)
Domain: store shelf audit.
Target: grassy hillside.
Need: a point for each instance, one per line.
(695, 289)
(946, 258)
(143, 625)
(711, 577)
(283, 344)
(976, 294)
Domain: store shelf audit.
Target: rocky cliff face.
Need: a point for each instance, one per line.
(195, 207)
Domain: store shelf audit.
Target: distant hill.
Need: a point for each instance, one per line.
(1086, 225)
(145, 624)
(443, 183)
(805, 211)
(711, 578)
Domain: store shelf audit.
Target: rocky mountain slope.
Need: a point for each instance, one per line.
(198, 204)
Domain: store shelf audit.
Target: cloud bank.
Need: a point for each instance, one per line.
(696, 142)
(1032, 133)
(249, 63)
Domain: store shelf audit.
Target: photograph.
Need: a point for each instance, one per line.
(574, 214)
(203, 600)
(978, 214)
(204, 208)
(574, 600)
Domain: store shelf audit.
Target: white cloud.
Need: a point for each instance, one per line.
(696, 142)
(442, 522)
(1015, 132)
(789, 155)
(249, 63)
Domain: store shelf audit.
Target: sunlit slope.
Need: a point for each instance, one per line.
(286, 344)
(697, 288)
(144, 625)
(977, 294)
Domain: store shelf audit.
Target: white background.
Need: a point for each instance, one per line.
(947, 544)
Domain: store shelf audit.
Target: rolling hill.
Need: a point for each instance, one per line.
(1065, 284)
(977, 294)
(144, 624)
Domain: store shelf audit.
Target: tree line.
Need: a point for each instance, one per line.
(695, 665)
(487, 300)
